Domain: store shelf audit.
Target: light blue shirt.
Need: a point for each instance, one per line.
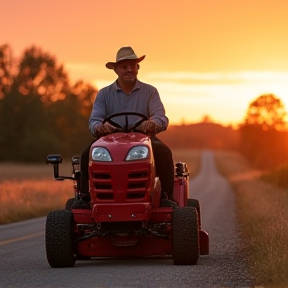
(144, 99)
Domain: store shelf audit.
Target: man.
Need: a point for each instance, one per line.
(128, 94)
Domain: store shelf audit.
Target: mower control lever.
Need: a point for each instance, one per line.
(56, 159)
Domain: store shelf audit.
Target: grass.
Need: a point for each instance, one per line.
(27, 199)
(277, 177)
(16, 171)
(191, 157)
(29, 190)
(262, 214)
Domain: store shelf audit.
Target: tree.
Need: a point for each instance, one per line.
(6, 67)
(207, 119)
(268, 112)
(264, 132)
(86, 94)
(40, 74)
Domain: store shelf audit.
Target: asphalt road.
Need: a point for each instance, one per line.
(23, 260)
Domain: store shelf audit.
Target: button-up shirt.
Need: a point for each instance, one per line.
(144, 99)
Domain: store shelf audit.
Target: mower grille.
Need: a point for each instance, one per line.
(138, 174)
(103, 186)
(138, 195)
(102, 176)
(105, 196)
(137, 183)
(134, 188)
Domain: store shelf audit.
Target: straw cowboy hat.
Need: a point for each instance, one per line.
(124, 53)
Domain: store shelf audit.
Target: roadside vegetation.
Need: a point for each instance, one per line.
(277, 176)
(25, 199)
(29, 191)
(191, 157)
(262, 213)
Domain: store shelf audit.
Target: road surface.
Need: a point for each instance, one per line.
(23, 260)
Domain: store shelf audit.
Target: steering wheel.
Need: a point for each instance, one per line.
(126, 127)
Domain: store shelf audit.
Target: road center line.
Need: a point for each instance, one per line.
(21, 238)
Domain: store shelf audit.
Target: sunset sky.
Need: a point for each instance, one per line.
(206, 57)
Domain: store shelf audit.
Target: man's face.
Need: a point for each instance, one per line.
(127, 70)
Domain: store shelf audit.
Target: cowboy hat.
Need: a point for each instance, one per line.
(124, 53)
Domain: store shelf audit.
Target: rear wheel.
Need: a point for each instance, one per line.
(59, 239)
(185, 235)
(195, 203)
(69, 203)
(77, 204)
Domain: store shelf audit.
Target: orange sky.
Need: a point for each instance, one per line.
(205, 56)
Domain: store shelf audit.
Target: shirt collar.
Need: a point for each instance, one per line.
(136, 87)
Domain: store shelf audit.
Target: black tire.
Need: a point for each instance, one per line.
(78, 257)
(185, 236)
(196, 204)
(69, 203)
(59, 239)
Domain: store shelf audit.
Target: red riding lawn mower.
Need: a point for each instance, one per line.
(124, 217)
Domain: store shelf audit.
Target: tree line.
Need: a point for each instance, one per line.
(41, 112)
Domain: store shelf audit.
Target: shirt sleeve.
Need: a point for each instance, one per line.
(157, 112)
(98, 113)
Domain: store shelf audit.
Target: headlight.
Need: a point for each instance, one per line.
(101, 154)
(137, 152)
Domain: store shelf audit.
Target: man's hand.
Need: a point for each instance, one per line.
(149, 127)
(105, 129)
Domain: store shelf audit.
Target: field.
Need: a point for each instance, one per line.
(29, 191)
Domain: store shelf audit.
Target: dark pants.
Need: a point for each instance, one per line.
(163, 162)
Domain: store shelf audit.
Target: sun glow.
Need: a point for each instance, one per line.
(225, 97)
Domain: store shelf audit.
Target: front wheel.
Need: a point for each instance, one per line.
(59, 239)
(196, 204)
(185, 236)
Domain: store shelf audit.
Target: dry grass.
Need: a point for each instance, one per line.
(26, 199)
(13, 171)
(262, 213)
(29, 191)
(191, 157)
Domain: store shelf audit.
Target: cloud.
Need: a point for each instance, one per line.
(220, 77)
